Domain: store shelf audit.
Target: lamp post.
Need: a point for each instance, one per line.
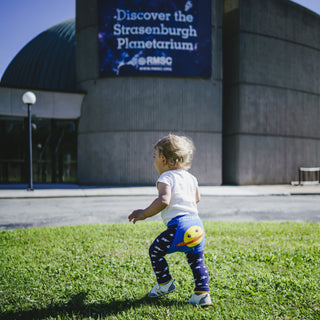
(29, 98)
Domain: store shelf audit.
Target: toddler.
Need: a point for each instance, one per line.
(178, 195)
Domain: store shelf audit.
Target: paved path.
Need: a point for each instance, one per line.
(65, 190)
(57, 207)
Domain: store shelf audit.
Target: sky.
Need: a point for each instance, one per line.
(21, 21)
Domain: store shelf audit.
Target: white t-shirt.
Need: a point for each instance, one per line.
(183, 194)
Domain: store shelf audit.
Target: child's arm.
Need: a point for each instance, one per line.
(160, 203)
(198, 198)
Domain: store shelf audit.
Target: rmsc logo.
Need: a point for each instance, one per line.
(155, 61)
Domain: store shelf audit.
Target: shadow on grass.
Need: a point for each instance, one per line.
(77, 307)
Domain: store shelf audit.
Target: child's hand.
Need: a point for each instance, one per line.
(136, 215)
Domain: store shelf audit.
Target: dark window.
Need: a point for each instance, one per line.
(54, 148)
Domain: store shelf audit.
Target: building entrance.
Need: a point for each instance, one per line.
(54, 149)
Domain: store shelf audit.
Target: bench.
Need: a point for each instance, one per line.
(306, 175)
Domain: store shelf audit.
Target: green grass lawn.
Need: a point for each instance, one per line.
(258, 271)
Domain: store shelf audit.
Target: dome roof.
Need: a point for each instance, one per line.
(46, 62)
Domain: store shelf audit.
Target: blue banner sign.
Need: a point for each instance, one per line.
(155, 37)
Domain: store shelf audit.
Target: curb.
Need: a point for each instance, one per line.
(206, 191)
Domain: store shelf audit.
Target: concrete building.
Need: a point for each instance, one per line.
(46, 65)
(271, 91)
(253, 120)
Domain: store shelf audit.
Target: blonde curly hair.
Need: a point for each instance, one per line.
(178, 151)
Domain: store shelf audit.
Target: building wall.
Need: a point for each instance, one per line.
(271, 101)
(49, 104)
(123, 117)
(271, 91)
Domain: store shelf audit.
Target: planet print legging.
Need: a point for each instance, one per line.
(160, 247)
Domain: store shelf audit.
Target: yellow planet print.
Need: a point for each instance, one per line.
(192, 237)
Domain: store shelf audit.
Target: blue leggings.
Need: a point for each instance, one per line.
(160, 247)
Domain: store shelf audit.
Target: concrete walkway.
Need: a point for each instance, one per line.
(73, 190)
(63, 205)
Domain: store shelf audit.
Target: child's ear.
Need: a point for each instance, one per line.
(163, 159)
